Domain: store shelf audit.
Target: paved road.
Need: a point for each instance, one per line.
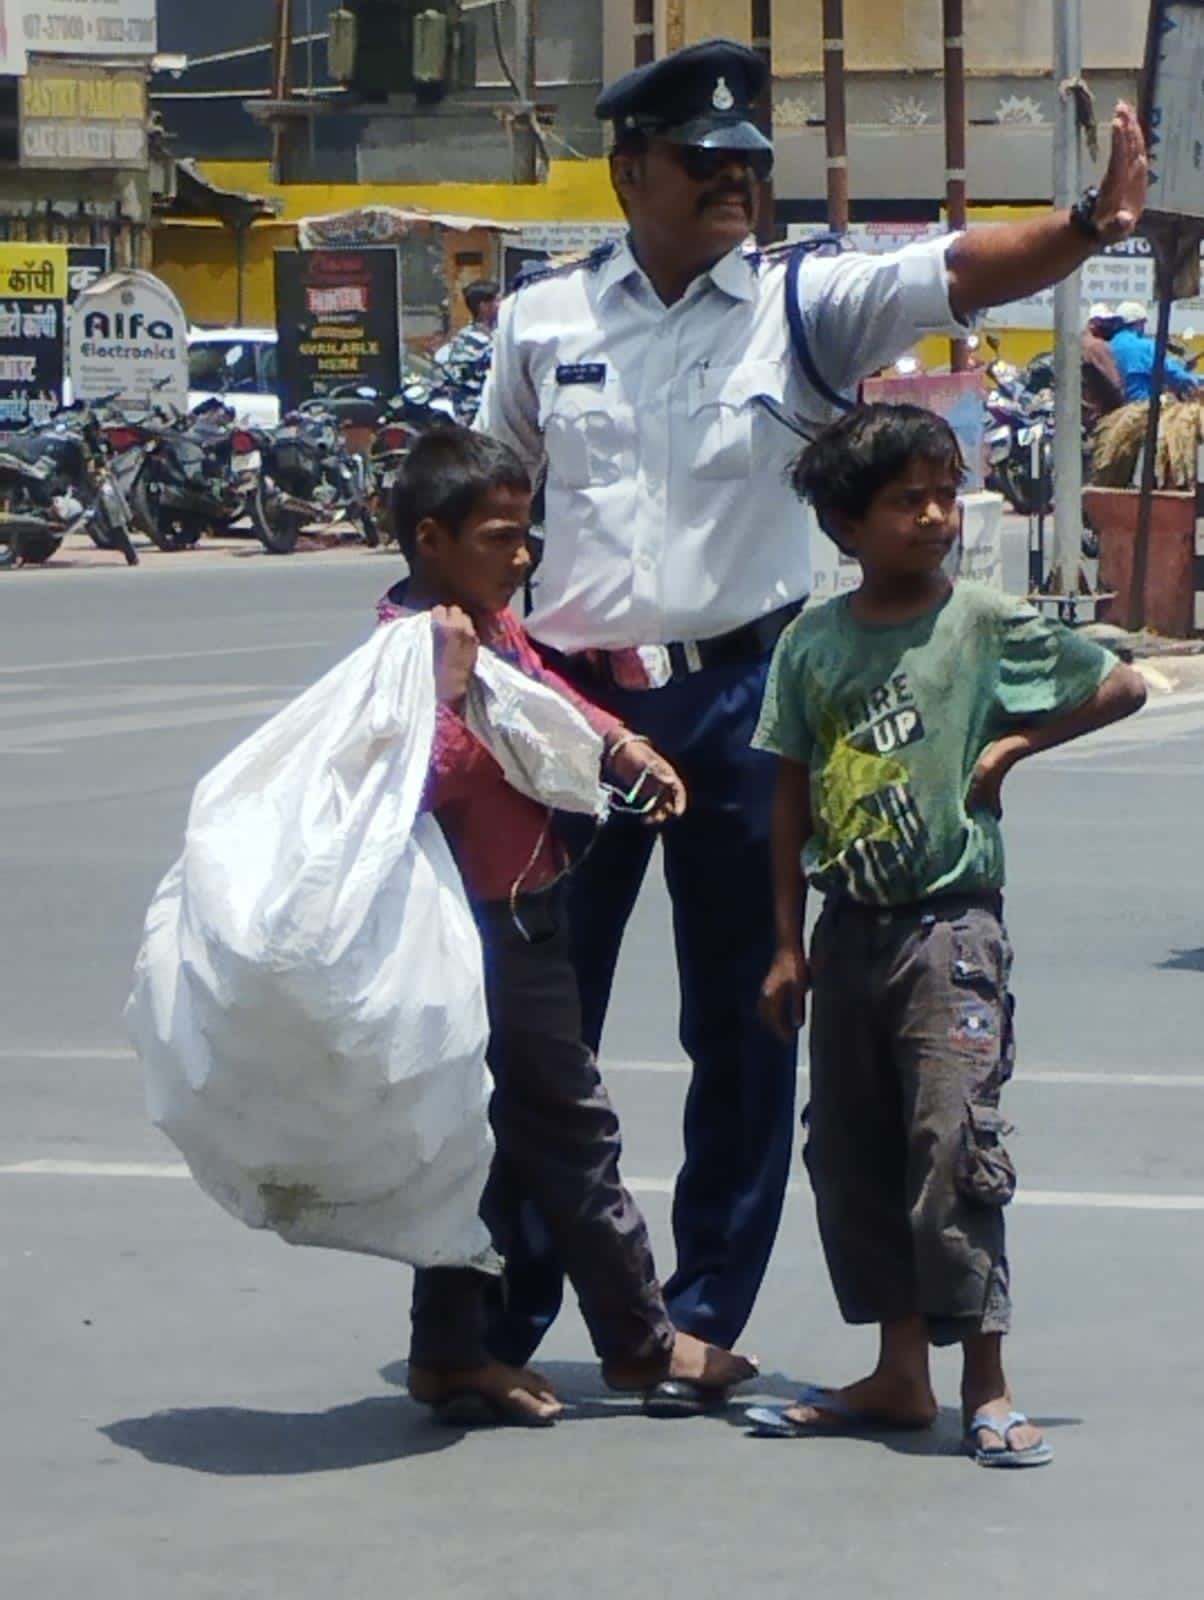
(191, 1410)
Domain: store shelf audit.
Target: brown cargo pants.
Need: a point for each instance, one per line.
(911, 1043)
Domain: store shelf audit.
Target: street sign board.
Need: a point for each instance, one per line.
(338, 314)
(1173, 96)
(129, 337)
(33, 291)
(89, 27)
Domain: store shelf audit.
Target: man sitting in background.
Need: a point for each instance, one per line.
(1133, 350)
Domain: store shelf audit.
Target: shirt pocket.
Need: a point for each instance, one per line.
(726, 418)
(588, 433)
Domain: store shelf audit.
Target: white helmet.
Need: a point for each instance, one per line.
(1129, 312)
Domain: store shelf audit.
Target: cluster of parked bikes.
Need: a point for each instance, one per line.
(173, 477)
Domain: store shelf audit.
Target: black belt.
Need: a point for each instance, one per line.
(652, 666)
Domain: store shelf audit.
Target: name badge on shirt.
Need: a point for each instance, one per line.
(570, 372)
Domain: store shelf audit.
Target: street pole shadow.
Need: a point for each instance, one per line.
(236, 1442)
(1183, 961)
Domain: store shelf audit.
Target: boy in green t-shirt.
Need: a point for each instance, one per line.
(896, 712)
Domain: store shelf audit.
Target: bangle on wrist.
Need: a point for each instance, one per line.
(625, 738)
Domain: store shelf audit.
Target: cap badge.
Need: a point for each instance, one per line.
(723, 99)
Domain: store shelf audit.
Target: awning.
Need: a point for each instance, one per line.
(365, 225)
(195, 196)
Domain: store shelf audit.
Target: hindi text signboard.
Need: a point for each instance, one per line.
(33, 292)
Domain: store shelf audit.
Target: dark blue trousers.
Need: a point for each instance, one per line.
(739, 1111)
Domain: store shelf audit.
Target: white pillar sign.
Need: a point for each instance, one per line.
(129, 338)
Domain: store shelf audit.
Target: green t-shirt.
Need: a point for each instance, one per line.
(891, 721)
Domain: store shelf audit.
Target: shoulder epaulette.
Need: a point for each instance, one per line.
(541, 271)
(824, 244)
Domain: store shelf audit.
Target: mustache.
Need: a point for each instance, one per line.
(729, 191)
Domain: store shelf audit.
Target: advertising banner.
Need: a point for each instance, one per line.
(338, 316)
(33, 292)
(83, 116)
(86, 27)
(129, 338)
(13, 59)
(1123, 271)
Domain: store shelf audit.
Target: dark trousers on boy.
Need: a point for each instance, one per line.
(557, 1159)
(911, 1043)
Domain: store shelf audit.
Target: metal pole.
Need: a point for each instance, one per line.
(955, 143)
(643, 19)
(1068, 315)
(524, 49)
(1164, 275)
(835, 120)
(762, 43)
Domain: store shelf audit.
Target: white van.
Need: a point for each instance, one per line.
(238, 365)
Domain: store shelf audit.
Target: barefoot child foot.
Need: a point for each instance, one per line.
(486, 1396)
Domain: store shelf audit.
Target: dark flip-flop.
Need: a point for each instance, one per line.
(469, 1408)
(840, 1420)
(681, 1397)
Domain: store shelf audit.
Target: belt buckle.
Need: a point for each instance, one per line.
(644, 666)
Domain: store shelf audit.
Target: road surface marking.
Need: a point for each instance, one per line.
(62, 665)
(1056, 1199)
(1070, 1077)
(24, 740)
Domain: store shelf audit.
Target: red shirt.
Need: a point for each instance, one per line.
(502, 841)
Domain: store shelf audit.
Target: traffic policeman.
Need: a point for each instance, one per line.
(651, 384)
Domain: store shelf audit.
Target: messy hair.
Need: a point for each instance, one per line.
(445, 476)
(843, 470)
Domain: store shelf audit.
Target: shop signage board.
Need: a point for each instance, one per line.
(1174, 96)
(129, 338)
(338, 317)
(87, 27)
(80, 115)
(33, 294)
(13, 56)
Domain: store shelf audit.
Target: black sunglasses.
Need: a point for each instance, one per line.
(704, 165)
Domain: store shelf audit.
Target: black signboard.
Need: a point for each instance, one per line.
(338, 316)
(85, 264)
(31, 362)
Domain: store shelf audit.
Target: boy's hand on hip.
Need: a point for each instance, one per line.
(456, 649)
(986, 782)
(648, 780)
(783, 1005)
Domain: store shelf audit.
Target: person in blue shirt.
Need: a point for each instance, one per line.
(1133, 349)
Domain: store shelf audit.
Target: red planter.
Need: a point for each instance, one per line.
(1169, 586)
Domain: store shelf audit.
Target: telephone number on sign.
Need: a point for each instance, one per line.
(57, 28)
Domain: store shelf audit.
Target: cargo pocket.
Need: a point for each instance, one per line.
(983, 1171)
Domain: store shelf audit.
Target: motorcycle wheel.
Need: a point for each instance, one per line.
(278, 527)
(37, 546)
(371, 530)
(170, 529)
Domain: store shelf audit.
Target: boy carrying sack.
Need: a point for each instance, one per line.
(462, 512)
(896, 713)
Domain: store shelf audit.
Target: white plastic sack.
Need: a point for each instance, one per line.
(308, 1001)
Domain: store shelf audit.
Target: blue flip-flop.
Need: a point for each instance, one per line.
(1037, 1455)
(773, 1422)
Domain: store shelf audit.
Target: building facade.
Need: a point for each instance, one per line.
(76, 157)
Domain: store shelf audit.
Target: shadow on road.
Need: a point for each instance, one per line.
(1183, 961)
(230, 1441)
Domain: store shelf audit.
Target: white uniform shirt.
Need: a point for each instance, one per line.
(669, 514)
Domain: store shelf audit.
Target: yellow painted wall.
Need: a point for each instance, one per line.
(198, 259)
(905, 35)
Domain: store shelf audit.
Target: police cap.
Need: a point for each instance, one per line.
(702, 95)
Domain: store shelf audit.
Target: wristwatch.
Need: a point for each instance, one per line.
(1082, 216)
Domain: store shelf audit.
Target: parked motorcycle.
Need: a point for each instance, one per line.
(305, 476)
(1020, 438)
(73, 451)
(176, 472)
(33, 520)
